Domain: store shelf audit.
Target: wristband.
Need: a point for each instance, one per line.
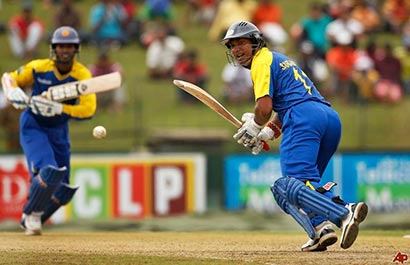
(275, 128)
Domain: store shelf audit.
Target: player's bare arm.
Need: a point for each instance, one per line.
(263, 110)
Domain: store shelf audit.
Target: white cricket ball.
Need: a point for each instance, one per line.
(99, 132)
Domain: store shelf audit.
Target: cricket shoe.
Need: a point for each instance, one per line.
(324, 237)
(350, 224)
(31, 223)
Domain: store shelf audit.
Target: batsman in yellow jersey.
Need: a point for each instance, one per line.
(44, 134)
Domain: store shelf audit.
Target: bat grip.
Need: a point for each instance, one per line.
(265, 146)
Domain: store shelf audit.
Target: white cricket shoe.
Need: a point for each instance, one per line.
(324, 237)
(350, 223)
(31, 223)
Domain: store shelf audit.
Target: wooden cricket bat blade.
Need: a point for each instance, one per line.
(75, 89)
(212, 103)
(208, 100)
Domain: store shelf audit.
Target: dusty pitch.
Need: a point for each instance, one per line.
(186, 247)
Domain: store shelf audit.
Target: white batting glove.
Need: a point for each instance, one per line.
(257, 147)
(248, 133)
(18, 98)
(45, 107)
(270, 132)
(247, 116)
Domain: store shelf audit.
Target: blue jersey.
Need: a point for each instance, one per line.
(278, 76)
(311, 129)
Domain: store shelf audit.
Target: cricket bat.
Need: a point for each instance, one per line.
(212, 103)
(83, 87)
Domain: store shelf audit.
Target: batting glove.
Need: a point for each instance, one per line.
(45, 107)
(248, 133)
(270, 132)
(17, 98)
(247, 116)
(257, 147)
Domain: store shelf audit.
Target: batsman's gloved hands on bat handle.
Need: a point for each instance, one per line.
(45, 107)
(269, 133)
(257, 147)
(17, 98)
(247, 135)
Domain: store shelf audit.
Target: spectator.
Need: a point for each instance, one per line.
(395, 14)
(345, 24)
(237, 84)
(68, 15)
(188, 68)
(113, 100)
(341, 59)
(25, 33)
(228, 12)
(202, 11)
(389, 88)
(367, 15)
(153, 12)
(107, 21)
(333, 7)
(130, 9)
(132, 24)
(313, 28)
(371, 49)
(163, 53)
(313, 66)
(157, 10)
(268, 18)
(267, 11)
(364, 77)
(403, 53)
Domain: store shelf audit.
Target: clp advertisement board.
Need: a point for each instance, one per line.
(116, 186)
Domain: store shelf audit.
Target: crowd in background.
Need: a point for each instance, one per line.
(335, 43)
(342, 36)
(335, 40)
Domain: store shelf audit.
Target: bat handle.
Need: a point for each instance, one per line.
(266, 147)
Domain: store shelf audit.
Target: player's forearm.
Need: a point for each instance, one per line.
(263, 110)
(85, 109)
(277, 121)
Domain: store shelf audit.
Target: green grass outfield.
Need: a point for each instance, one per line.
(153, 107)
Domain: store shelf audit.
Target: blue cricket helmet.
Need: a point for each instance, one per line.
(65, 35)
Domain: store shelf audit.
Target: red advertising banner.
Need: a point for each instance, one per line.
(130, 191)
(169, 188)
(14, 177)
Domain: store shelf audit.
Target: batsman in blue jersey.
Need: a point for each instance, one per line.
(44, 134)
(310, 130)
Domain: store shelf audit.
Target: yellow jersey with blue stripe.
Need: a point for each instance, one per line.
(41, 74)
(277, 76)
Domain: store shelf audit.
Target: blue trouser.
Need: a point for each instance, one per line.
(44, 146)
(311, 133)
